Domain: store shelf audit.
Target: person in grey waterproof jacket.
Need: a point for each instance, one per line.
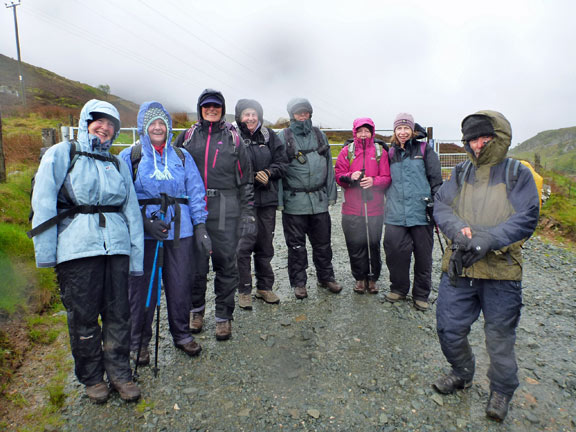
(416, 176)
(306, 191)
(95, 242)
(225, 168)
(171, 196)
(269, 160)
(487, 211)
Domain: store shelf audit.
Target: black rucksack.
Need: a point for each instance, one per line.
(75, 153)
(322, 148)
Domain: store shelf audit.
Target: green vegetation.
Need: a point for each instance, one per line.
(558, 213)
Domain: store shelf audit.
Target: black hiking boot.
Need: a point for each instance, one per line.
(450, 383)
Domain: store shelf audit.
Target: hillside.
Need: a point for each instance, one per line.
(557, 149)
(46, 89)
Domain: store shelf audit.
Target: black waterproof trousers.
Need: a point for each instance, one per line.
(400, 243)
(318, 229)
(260, 243)
(90, 288)
(222, 227)
(354, 228)
(177, 271)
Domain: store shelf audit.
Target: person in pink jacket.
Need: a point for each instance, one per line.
(363, 172)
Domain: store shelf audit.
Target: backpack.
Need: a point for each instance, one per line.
(233, 132)
(136, 157)
(322, 148)
(351, 153)
(75, 153)
(511, 176)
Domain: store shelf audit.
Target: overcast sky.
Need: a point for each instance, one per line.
(439, 60)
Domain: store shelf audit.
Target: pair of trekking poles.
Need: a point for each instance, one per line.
(157, 265)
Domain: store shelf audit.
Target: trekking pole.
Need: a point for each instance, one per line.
(430, 217)
(160, 264)
(148, 297)
(369, 275)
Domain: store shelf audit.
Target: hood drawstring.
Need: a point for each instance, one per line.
(157, 174)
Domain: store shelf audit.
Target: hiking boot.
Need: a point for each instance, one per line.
(450, 383)
(332, 286)
(421, 305)
(245, 301)
(223, 330)
(497, 407)
(360, 287)
(98, 393)
(268, 296)
(197, 322)
(300, 292)
(129, 391)
(372, 288)
(191, 348)
(144, 359)
(392, 297)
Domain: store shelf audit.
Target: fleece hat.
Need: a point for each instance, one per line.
(152, 114)
(476, 126)
(298, 104)
(98, 115)
(404, 119)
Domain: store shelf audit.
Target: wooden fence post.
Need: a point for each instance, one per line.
(2, 159)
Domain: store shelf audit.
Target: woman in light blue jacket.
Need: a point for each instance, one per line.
(172, 198)
(87, 224)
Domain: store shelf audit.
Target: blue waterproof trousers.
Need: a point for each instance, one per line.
(458, 307)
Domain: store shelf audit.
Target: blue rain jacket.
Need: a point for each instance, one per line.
(90, 182)
(185, 182)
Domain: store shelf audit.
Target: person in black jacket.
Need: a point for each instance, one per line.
(225, 167)
(269, 161)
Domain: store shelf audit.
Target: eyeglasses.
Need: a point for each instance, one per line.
(211, 105)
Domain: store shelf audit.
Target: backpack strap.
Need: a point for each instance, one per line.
(511, 176)
(322, 148)
(462, 170)
(266, 134)
(135, 157)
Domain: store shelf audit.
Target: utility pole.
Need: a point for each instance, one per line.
(20, 76)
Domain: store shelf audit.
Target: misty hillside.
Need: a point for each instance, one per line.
(557, 149)
(45, 88)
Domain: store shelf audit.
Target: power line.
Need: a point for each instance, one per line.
(20, 76)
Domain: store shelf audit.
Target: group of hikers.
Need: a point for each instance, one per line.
(118, 228)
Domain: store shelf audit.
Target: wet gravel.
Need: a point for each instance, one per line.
(351, 362)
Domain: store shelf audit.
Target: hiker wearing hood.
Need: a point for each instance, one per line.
(416, 176)
(305, 193)
(171, 196)
(486, 217)
(268, 157)
(95, 241)
(226, 171)
(363, 172)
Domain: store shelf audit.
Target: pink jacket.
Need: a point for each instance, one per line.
(380, 171)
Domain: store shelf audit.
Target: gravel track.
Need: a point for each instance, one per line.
(351, 362)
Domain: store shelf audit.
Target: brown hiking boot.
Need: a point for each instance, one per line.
(268, 296)
(245, 301)
(223, 330)
(449, 383)
(196, 322)
(372, 288)
(497, 407)
(129, 391)
(144, 358)
(421, 305)
(98, 393)
(360, 287)
(393, 297)
(191, 348)
(332, 286)
(300, 292)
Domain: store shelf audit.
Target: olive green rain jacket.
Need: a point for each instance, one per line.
(487, 202)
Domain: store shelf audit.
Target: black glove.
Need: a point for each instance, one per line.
(346, 179)
(455, 265)
(247, 225)
(480, 245)
(461, 241)
(156, 228)
(202, 239)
